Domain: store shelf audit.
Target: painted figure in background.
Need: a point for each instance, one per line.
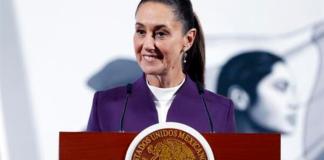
(263, 82)
(263, 91)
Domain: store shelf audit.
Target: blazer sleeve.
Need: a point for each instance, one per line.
(93, 123)
(230, 120)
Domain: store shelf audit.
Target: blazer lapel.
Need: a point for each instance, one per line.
(188, 108)
(141, 112)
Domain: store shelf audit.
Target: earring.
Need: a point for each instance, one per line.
(184, 57)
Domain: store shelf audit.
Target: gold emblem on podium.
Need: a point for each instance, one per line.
(170, 149)
(169, 144)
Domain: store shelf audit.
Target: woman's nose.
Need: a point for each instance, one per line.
(294, 102)
(149, 43)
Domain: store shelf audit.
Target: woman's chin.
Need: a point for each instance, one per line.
(289, 130)
(152, 70)
(286, 130)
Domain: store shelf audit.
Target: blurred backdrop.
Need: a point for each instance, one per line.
(55, 54)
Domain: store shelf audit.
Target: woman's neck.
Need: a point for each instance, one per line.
(165, 81)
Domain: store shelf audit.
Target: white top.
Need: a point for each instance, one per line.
(163, 98)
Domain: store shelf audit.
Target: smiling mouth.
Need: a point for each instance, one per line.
(151, 58)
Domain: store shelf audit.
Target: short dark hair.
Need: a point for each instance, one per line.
(246, 70)
(195, 60)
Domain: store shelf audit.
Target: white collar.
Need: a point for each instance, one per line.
(164, 94)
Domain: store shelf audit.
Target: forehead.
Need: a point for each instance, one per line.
(280, 71)
(154, 13)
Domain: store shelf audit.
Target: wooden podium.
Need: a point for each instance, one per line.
(113, 146)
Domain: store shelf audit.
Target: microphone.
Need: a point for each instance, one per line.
(128, 92)
(201, 93)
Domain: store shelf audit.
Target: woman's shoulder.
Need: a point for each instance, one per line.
(113, 93)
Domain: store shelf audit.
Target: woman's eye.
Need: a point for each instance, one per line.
(281, 85)
(140, 32)
(160, 34)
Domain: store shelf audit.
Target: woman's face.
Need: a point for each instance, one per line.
(159, 40)
(276, 105)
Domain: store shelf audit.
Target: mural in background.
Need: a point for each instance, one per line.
(265, 77)
(116, 73)
(263, 91)
(314, 129)
(16, 108)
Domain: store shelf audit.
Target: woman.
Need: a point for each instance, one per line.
(170, 50)
(263, 91)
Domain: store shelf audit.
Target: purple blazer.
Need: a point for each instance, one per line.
(187, 108)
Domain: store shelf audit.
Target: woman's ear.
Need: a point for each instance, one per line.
(239, 97)
(190, 38)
